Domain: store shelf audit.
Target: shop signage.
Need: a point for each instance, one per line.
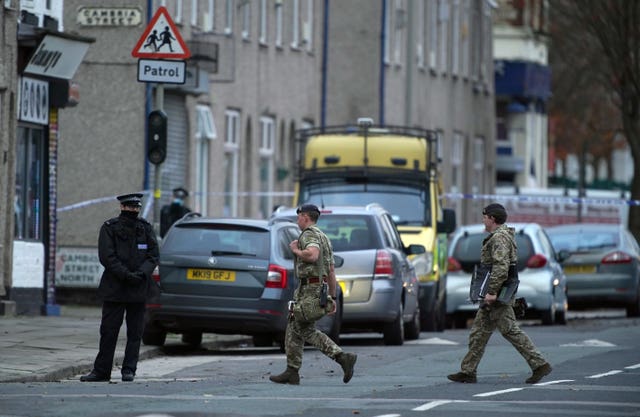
(57, 57)
(33, 101)
(109, 16)
(78, 267)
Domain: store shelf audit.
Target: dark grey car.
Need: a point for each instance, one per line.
(378, 282)
(228, 276)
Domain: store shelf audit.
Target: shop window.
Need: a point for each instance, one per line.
(28, 204)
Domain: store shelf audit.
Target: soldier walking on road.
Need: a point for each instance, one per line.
(314, 267)
(128, 250)
(499, 251)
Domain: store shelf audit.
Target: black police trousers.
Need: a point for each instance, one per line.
(112, 317)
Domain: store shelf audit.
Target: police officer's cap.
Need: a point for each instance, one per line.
(497, 211)
(133, 200)
(180, 192)
(308, 208)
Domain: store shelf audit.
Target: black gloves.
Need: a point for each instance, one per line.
(134, 278)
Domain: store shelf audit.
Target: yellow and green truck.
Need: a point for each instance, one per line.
(396, 167)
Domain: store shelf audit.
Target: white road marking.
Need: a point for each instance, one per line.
(431, 341)
(636, 366)
(436, 403)
(559, 381)
(504, 391)
(589, 343)
(389, 415)
(604, 374)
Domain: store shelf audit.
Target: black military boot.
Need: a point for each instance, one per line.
(289, 376)
(347, 361)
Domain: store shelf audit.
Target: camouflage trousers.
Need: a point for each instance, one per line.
(300, 332)
(502, 317)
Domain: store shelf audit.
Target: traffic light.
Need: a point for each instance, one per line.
(157, 137)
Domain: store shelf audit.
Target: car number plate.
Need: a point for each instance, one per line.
(580, 269)
(211, 275)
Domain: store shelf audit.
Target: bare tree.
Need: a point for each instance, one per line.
(596, 62)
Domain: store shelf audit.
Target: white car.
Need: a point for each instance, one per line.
(542, 280)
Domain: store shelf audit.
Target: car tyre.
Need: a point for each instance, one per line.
(633, 309)
(336, 327)
(262, 340)
(393, 332)
(193, 339)
(154, 335)
(412, 328)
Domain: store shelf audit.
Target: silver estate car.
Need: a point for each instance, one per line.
(378, 282)
(604, 267)
(542, 281)
(228, 276)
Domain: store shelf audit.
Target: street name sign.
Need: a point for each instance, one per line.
(162, 71)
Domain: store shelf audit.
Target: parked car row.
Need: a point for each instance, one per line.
(577, 265)
(236, 276)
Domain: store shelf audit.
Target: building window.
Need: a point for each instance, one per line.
(246, 20)
(432, 12)
(478, 166)
(267, 139)
(464, 35)
(232, 152)
(279, 23)
(177, 17)
(295, 24)
(399, 26)
(457, 162)
(206, 132)
(194, 13)
(387, 31)
(228, 17)
(455, 41)
(28, 204)
(307, 27)
(421, 38)
(262, 28)
(443, 34)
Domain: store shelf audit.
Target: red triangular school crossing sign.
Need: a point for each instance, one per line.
(161, 39)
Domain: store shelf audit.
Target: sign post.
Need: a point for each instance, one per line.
(161, 52)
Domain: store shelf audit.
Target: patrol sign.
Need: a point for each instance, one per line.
(161, 71)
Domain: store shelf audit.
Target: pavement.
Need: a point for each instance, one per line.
(53, 348)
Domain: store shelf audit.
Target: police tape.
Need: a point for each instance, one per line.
(544, 199)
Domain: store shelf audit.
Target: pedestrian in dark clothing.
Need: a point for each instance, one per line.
(128, 250)
(171, 213)
(499, 250)
(314, 267)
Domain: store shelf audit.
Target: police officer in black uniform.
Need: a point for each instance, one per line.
(128, 250)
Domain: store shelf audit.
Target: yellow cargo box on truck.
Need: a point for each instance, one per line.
(393, 166)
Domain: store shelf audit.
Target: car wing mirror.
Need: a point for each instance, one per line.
(563, 255)
(338, 261)
(415, 249)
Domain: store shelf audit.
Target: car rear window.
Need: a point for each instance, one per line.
(583, 240)
(218, 239)
(348, 232)
(468, 246)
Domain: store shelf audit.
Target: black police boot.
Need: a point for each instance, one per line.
(289, 376)
(348, 362)
(94, 377)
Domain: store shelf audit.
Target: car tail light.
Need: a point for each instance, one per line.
(453, 265)
(276, 277)
(383, 263)
(536, 261)
(616, 257)
(155, 275)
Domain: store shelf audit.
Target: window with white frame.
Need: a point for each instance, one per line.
(245, 10)
(387, 31)
(177, 16)
(465, 35)
(232, 158)
(267, 164)
(421, 37)
(455, 41)
(432, 13)
(443, 34)
(487, 49)
(295, 24)
(399, 28)
(206, 131)
(479, 186)
(279, 23)
(194, 13)
(456, 162)
(228, 17)
(307, 27)
(262, 23)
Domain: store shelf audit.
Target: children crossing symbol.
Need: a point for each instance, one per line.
(161, 39)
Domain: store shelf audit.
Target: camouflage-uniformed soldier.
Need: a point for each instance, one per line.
(314, 265)
(499, 250)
